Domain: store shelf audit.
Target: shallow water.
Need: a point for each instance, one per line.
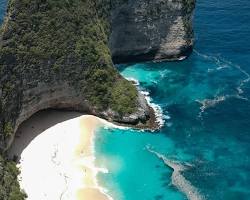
(205, 102)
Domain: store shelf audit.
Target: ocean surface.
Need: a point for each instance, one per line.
(205, 102)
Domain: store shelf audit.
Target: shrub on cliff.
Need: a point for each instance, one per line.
(109, 91)
(52, 41)
(123, 95)
(9, 187)
(48, 42)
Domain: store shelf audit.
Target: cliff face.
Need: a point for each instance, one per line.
(54, 54)
(151, 30)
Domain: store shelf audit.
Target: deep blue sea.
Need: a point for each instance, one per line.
(205, 101)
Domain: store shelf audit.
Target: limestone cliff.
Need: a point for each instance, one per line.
(151, 30)
(56, 54)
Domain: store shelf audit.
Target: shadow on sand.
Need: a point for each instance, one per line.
(35, 125)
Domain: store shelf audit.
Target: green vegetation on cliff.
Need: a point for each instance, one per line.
(106, 93)
(51, 42)
(9, 187)
(54, 41)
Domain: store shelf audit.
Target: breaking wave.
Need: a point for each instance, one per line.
(160, 117)
(134, 81)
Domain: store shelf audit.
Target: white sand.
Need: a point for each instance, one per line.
(59, 163)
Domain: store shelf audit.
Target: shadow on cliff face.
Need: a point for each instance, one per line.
(35, 125)
(151, 30)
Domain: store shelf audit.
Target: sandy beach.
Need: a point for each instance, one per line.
(56, 156)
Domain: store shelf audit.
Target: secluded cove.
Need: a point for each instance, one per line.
(205, 102)
(57, 157)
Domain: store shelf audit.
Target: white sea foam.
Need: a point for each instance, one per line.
(109, 125)
(218, 68)
(178, 180)
(133, 80)
(182, 58)
(160, 118)
(222, 64)
(208, 103)
(167, 117)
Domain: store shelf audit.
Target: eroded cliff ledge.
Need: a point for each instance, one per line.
(55, 54)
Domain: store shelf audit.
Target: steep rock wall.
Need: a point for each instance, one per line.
(54, 54)
(151, 30)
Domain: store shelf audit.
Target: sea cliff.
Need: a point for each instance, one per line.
(151, 30)
(54, 54)
(60, 54)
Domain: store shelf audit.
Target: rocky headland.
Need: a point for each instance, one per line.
(60, 54)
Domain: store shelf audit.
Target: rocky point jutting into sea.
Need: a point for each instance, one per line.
(55, 55)
(58, 54)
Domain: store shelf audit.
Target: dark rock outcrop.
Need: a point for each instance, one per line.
(151, 30)
(54, 54)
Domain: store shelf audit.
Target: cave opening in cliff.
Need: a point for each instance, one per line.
(34, 126)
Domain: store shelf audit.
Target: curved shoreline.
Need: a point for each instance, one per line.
(85, 157)
(59, 162)
(57, 154)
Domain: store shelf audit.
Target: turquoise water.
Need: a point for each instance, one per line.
(205, 101)
(2, 9)
(134, 173)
